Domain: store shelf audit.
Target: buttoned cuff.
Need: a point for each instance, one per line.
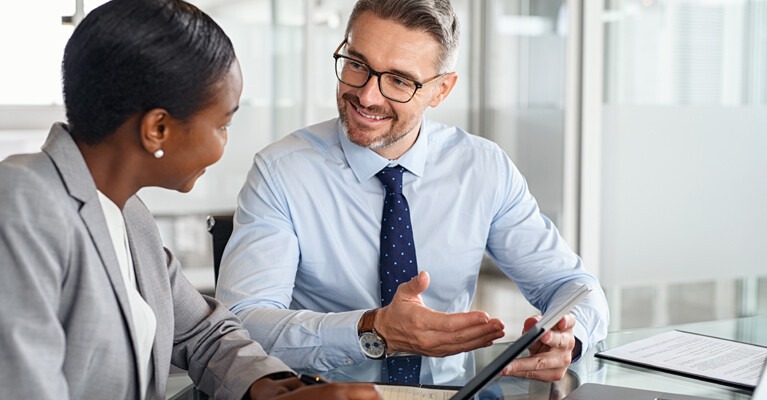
(579, 331)
(341, 340)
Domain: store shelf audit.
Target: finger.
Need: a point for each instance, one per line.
(290, 383)
(455, 322)
(433, 321)
(469, 338)
(448, 349)
(567, 322)
(545, 361)
(550, 375)
(557, 338)
(454, 330)
(436, 334)
(530, 322)
(268, 388)
(552, 359)
(414, 287)
(440, 344)
(537, 347)
(561, 339)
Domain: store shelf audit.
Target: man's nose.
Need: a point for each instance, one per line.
(370, 94)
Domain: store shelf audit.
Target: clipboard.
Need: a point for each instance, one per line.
(666, 352)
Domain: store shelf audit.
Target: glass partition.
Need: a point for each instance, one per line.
(683, 144)
(524, 92)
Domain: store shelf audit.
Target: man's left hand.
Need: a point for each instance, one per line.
(550, 356)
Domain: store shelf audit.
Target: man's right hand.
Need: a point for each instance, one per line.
(409, 326)
(294, 389)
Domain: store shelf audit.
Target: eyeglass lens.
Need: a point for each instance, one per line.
(392, 86)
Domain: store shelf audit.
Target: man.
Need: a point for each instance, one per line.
(323, 233)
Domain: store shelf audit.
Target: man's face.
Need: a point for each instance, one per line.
(370, 119)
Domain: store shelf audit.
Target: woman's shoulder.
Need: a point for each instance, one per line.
(137, 213)
(30, 176)
(34, 203)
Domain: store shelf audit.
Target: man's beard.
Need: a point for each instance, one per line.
(358, 135)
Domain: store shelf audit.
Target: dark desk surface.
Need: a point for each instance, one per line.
(590, 369)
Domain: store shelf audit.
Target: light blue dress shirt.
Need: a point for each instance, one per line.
(301, 266)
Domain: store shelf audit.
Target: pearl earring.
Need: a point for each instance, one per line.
(159, 153)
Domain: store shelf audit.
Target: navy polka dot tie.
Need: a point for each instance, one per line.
(397, 263)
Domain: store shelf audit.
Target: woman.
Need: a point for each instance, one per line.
(92, 305)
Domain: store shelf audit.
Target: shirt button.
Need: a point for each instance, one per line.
(349, 361)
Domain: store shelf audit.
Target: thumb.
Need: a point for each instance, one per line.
(415, 286)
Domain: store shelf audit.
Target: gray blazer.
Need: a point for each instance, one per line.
(65, 325)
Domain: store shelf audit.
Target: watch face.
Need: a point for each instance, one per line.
(372, 345)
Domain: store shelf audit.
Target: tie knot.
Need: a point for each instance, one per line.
(391, 177)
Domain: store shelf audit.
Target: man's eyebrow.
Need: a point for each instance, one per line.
(403, 74)
(237, 107)
(364, 59)
(357, 55)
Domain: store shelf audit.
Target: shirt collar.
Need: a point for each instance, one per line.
(365, 162)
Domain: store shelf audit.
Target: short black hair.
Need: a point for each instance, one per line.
(130, 56)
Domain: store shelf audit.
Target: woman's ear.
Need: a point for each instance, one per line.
(154, 131)
(443, 87)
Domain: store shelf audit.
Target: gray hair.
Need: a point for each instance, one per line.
(435, 17)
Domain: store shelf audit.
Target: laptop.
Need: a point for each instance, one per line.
(548, 321)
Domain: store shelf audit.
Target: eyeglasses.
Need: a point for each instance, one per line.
(394, 87)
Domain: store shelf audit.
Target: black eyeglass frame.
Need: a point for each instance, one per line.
(372, 72)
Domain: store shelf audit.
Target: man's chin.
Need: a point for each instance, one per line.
(362, 140)
(367, 137)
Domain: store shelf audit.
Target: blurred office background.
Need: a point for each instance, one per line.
(641, 126)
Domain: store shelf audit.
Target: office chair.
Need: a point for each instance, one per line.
(220, 227)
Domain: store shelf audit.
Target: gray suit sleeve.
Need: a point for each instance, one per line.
(210, 343)
(33, 258)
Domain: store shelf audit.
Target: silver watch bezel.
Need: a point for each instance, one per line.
(372, 338)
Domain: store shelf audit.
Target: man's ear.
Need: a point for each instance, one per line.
(443, 88)
(154, 129)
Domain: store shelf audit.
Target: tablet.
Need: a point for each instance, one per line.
(549, 320)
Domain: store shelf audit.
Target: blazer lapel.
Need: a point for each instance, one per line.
(77, 178)
(146, 280)
(93, 216)
(149, 260)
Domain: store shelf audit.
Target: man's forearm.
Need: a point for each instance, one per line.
(306, 339)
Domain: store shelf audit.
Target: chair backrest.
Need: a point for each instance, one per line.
(220, 227)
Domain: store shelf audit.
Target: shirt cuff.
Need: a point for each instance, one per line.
(580, 333)
(341, 340)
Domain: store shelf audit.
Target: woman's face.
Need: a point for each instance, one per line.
(199, 141)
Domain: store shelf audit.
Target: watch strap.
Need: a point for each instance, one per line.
(367, 321)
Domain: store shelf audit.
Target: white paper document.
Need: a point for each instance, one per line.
(392, 392)
(704, 357)
(761, 389)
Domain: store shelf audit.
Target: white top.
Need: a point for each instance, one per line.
(144, 320)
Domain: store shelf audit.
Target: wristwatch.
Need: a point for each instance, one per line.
(372, 344)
